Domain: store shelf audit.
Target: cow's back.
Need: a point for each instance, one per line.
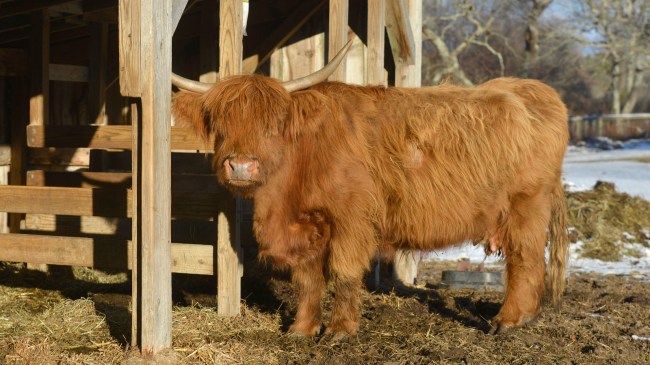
(448, 158)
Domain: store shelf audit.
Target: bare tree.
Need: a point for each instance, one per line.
(531, 35)
(454, 27)
(624, 30)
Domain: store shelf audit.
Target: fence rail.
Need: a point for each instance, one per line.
(614, 126)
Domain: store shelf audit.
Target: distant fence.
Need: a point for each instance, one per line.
(614, 126)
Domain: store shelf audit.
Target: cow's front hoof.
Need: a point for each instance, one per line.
(307, 329)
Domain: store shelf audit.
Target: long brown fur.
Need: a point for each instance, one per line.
(345, 170)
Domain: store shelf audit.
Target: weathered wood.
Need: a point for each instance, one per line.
(66, 201)
(98, 60)
(57, 156)
(129, 46)
(109, 136)
(400, 31)
(19, 118)
(338, 34)
(12, 62)
(180, 182)
(136, 232)
(70, 73)
(4, 217)
(98, 253)
(228, 247)
(154, 177)
(120, 180)
(299, 59)
(409, 75)
(286, 30)
(376, 42)
(5, 155)
(355, 63)
(178, 6)
(183, 231)
(39, 68)
(98, 202)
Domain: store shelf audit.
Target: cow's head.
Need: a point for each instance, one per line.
(252, 119)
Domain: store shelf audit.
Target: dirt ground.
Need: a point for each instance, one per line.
(81, 316)
(52, 319)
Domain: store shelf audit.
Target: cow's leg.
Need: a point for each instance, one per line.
(349, 259)
(525, 264)
(345, 310)
(309, 280)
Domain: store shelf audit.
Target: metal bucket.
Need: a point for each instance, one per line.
(477, 280)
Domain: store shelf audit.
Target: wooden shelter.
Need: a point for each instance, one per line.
(99, 177)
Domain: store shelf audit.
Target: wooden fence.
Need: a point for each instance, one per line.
(614, 126)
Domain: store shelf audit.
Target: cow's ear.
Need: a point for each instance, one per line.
(187, 111)
(305, 113)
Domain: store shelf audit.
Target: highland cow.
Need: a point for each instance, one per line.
(338, 172)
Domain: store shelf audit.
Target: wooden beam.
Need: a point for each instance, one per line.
(65, 201)
(19, 118)
(178, 6)
(129, 47)
(39, 68)
(400, 31)
(104, 202)
(13, 62)
(228, 247)
(98, 61)
(109, 136)
(5, 155)
(282, 33)
(376, 42)
(338, 34)
(122, 180)
(101, 253)
(153, 171)
(183, 231)
(409, 75)
(70, 73)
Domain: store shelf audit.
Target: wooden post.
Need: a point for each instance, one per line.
(338, 34)
(39, 93)
(229, 262)
(405, 267)
(376, 42)
(375, 73)
(97, 72)
(40, 68)
(153, 171)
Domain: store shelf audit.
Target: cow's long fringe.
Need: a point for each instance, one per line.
(559, 250)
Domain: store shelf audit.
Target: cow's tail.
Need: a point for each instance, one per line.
(559, 242)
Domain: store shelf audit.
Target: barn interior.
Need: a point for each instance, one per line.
(66, 120)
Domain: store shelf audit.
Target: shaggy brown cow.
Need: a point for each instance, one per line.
(337, 171)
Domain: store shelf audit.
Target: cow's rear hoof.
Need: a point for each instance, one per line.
(498, 329)
(305, 329)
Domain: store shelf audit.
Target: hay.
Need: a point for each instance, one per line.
(606, 219)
